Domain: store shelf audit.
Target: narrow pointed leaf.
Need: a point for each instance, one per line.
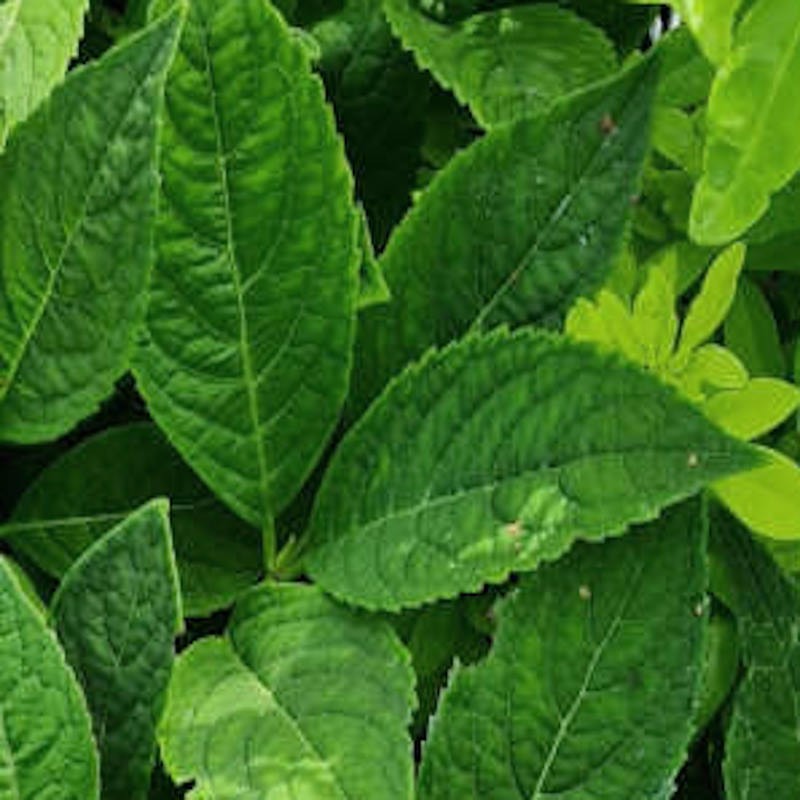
(476, 251)
(77, 193)
(246, 354)
(302, 698)
(80, 496)
(509, 63)
(117, 613)
(590, 687)
(46, 732)
(496, 454)
(762, 748)
(37, 40)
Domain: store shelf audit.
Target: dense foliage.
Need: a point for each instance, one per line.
(398, 398)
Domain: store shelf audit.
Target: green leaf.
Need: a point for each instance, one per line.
(710, 307)
(373, 289)
(765, 498)
(73, 265)
(96, 485)
(711, 21)
(303, 698)
(710, 369)
(757, 408)
(246, 354)
(762, 749)
(495, 454)
(476, 251)
(47, 735)
(654, 319)
(509, 63)
(590, 687)
(752, 148)
(752, 333)
(686, 75)
(37, 40)
(675, 136)
(117, 612)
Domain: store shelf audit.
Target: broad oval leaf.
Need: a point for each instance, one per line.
(762, 748)
(476, 251)
(496, 454)
(75, 500)
(37, 40)
(77, 197)
(47, 733)
(117, 613)
(752, 148)
(250, 325)
(302, 698)
(590, 687)
(509, 63)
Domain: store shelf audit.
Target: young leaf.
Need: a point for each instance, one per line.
(590, 687)
(496, 454)
(303, 698)
(37, 40)
(765, 498)
(752, 148)
(762, 749)
(47, 735)
(372, 285)
(117, 612)
(96, 485)
(77, 190)
(251, 319)
(475, 251)
(509, 63)
(711, 21)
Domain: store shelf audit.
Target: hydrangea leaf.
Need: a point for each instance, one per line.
(475, 251)
(245, 358)
(508, 63)
(498, 453)
(752, 148)
(762, 749)
(302, 698)
(73, 263)
(47, 734)
(591, 684)
(117, 613)
(76, 499)
(37, 40)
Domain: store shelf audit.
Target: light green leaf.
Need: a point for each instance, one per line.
(303, 698)
(47, 735)
(509, 63)
(117, 613)
(251, 319)
(590, 687)
(654, 319)
(765, 498)
(495, 454)
(752, 333)
(73, 264)
(762, 748)
(711, 21)
(96, 485)
(686, 75)
(752, 147)
(710, 307)
(37, 40)
(475, 251)
(750, 412)
(373, 289)
(710, 369)
(676, 138)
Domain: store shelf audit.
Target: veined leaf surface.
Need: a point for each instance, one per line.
(762, 748)
(246, 355)
(37, 40)
(496, 454)
(302, 698)
(47, 734)
(590, 686)
(77, 193)
(752, 148)
(96, 485)
(475, 251)
(508, 63)
(117, 613)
